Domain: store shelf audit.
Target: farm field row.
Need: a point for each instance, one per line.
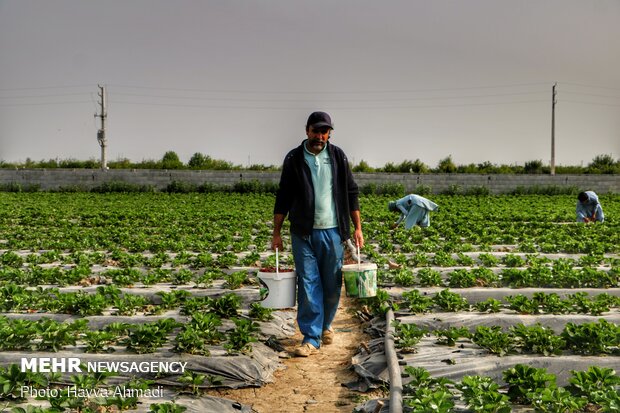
(218, 223)
(173, 276)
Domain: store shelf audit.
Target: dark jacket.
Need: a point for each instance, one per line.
(295, 195)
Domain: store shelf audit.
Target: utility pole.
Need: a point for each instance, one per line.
(553, 102)
(101, 132)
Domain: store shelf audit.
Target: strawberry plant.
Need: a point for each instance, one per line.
(424, 393)
(537, 339)
(429, 278)
(450, 335)
(488, 260)
(194, 304)
(226, 306)
(481, 394)
(54, 335)
(593, 384)
(416, 302)
(166, 408)
(183, 276)
(260, 313)
(12, 379)
(128, 304)
(404, 277)
(522, 305)
(407, 336)
(490, 305)
(236, 279)
(583, 304)
(193, 380)
(122, 403)
(182, 258)
(449, 301)
(227, 260)
(11, 259)
(251, 259)
(556, 400)
(524, 381)
(444, 259)
(461, 278)
(512, 260)
(99, 341)
(190, 340)
(206, 279)
(493, 339)
(380, 303)
(464, 260)
(173, 298)
(241, 336)
(592, 338)
(419, 260)
(146, 338)
(430, 401)
(208, 325)
(551, 303)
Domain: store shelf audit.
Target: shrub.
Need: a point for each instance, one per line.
(121, 186)
(603, 164)
(363, 167)
(171, 160)
(16, 187)
(180, 187)
(446, 165)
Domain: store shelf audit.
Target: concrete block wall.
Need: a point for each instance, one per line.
(50, 179)
(497, 184)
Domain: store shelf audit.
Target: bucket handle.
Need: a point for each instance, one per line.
(277, 276)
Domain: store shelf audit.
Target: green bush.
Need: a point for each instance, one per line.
(545, 190)
(180, 187)
(123, 187)
(17, 187)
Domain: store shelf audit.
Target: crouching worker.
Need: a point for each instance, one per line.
(414, 210)
(588, 207)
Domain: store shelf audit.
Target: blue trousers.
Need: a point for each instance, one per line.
(318, 263)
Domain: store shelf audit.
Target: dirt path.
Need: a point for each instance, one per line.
(312, 384)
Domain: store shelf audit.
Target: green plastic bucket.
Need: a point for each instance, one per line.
(360, 280)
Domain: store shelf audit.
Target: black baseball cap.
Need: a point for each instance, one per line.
(319, 119)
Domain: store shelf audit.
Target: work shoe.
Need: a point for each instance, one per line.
(328, 336)
(305, 350)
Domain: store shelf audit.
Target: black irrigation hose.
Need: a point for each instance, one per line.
(396, 383)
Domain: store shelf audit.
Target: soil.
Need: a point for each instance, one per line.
(315, 383)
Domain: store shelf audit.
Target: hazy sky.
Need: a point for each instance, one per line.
(236, 80)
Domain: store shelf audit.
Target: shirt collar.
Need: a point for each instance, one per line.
(310, 153)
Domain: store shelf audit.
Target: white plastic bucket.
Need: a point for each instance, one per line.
(360, 280)
(282, 288)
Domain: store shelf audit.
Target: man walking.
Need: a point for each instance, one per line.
(320, 197)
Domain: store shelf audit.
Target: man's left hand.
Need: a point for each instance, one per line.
(358, 237)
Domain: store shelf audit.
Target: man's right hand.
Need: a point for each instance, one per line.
(276, 242)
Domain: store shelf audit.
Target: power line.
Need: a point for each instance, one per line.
(401, 99)
(593, 94)
(592, 103)
(41, 103)
(42, 87)
(591, 86)
(329, 92)
(43, 96)
(326, 104)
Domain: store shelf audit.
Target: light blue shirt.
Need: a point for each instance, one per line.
(589, 208)
(321, 171)
(415, 210)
